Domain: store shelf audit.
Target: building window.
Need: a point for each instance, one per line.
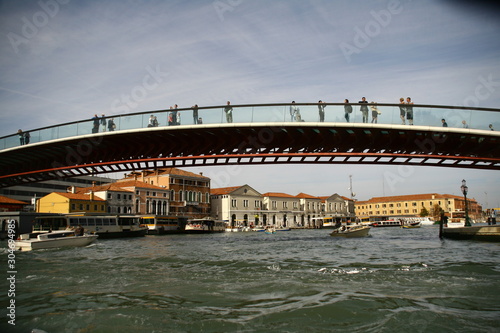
(285, 204)
(273, 204)
(233, 203)
(118, 196)
(110, 196)
(73, 206)
(245, 203)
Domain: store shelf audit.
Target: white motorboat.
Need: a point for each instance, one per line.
(386, 223)
(350, 231)
(456, 220)
(200, 226)
(54, 239)
(270, 230)
(234, 229)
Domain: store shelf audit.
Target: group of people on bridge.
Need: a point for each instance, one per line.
(103, 124)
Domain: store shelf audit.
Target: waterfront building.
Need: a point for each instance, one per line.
(237, 205)
(189, 192)
(244, 206)
(309, 208)
(416, 204)
(30, 192)
(120, 200)
(147, 198)
(285, 210)
(65, 203)
(11, 205)
(338, 206)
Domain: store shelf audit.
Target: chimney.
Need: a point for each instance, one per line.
(91, 195)
(71, 189)
(201, 173)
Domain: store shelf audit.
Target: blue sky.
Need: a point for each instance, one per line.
(67, 60)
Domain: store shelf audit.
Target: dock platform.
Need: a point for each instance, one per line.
(483, 233)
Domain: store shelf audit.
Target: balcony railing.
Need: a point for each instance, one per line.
(471, 118)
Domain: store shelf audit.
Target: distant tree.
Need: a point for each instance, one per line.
(424, 212)
(436, 211)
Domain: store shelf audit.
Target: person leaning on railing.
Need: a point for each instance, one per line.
(228, 109)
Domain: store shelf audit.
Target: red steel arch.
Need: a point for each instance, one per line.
(250, 143)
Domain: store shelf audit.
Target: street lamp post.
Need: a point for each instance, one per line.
(464, 189)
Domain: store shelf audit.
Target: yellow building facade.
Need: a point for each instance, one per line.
(413, 205)
(64, 203)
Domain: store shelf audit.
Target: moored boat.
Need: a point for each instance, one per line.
(386, 223)
(456, 220)
(351, 231)
(234, 229)
(54, 239)
(270, 230)
(200, 226)
(106, 226)
(160, 225)
(109, 226)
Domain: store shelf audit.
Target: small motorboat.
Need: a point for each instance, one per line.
(53, 239)
(351, 231)
(411, 225)
(270, 230)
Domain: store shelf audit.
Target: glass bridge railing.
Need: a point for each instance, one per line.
(383, 114)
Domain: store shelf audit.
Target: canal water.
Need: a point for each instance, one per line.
(296, 281)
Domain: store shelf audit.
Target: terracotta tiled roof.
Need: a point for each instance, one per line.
(137, 183)
(306, 196)
(277, 194)
(223, 190)
(7, 200)
(166, 171)
(78, 196)
(105, 187)
(411, 197)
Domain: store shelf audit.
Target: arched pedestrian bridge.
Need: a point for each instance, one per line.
(259, 134)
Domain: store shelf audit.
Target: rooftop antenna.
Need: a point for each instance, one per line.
(350, 188)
